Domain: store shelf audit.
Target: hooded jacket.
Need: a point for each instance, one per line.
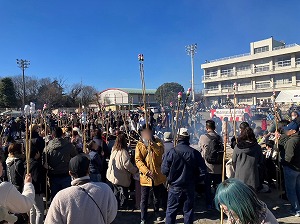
(59, 153)
(246, 159)
(15, 172)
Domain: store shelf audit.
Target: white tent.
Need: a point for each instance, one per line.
(288, 96)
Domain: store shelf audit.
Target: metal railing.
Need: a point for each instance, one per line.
(263, 68)
(227, 58)
(262, 85)
(283, 63)
(227, 72)
(285, 46)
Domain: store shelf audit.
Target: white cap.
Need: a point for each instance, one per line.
(184, 132)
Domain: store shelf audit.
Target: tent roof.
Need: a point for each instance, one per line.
(288, 96)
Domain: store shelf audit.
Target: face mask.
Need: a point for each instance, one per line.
(294, 117)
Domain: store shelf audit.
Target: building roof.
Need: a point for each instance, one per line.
(137, 91)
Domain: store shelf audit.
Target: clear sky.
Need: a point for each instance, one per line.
(98, 40)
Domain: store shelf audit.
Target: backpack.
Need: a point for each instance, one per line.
(215, 150)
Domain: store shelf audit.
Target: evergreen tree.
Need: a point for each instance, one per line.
(7, 93)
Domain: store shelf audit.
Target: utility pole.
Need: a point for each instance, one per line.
(191, 51)
(23, 64)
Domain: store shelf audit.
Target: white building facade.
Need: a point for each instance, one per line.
(115, 98)
(270, 66)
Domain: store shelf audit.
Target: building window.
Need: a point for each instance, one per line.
(227, 72)
(263, 85)
(261, 49)
(245, 100)
(262, 68)
(243, 68)
(283, 62)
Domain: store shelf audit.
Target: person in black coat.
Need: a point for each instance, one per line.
(15, 166)
(38, 174)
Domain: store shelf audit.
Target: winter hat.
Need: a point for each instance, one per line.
(79, 166)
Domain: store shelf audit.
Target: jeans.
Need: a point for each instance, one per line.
(292, 187)
(58, 183)
(210, 178)
(95, 177)
(178, 199)
(159, 192)
(37, 211)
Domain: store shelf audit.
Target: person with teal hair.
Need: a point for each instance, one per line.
(241, 204)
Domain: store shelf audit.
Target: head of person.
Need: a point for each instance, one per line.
(243, 126)
(34, 128)
(74, 133)
(210, 125)
(270, 144)
(168, 137)
(98, 133)
(247, 135)
(15, 149)
(238, 200)
(121, 142)
(291, 129)
(184, 135)
(79, 166)
(281, 125)
(294, 115)
(146, 132)
(92, 146)
(34, 152)
(57, 132)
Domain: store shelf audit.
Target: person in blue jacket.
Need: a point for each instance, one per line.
(183, 166)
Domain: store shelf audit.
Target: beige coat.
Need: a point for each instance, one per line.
(13, 200)
(120, 168)
(150, 161)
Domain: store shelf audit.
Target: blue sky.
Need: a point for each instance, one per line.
(98, 40)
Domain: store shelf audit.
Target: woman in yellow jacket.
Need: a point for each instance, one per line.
(148, 159)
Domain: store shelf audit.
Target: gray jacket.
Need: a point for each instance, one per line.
(247, 158)
(59, 153)
(202, 145)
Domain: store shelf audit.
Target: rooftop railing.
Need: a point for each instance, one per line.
(247, 54)
(285, 46)
(231, 57)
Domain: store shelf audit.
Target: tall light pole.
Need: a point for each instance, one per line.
(191, 51)
(23, 64)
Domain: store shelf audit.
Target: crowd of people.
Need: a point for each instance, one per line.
(81, 171)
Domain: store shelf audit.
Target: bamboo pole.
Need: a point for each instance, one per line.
(27, 148)
(172, 118)
(278, 173)
(188, 93)
(224, 163)
(46, 158)
(234, 112)
(177, 119)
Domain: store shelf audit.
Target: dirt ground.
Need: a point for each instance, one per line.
(279, 207)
